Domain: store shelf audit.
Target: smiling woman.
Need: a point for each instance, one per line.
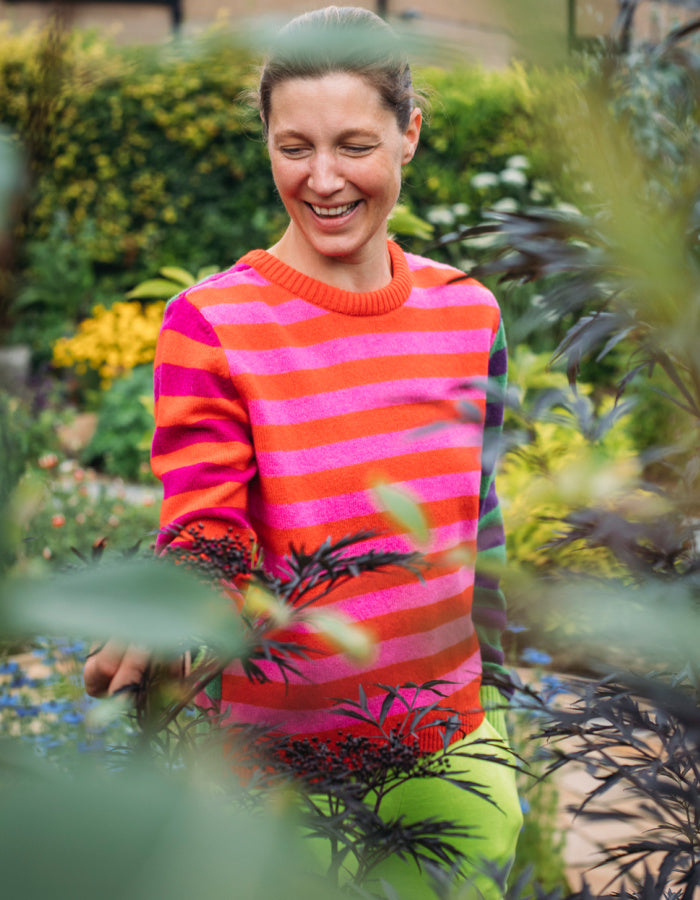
(291, 383)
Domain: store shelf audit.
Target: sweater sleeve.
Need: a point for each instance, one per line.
(202, 448)
(489, 606)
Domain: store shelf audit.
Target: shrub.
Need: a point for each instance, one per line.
(121, 442)
(112, 341)
(154, 159)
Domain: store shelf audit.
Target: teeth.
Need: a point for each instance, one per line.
(334, 210)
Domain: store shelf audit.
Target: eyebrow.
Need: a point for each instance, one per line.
(343, 136)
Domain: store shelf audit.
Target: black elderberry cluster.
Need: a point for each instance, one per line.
(215, 558)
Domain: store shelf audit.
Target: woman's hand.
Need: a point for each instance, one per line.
(112, 668)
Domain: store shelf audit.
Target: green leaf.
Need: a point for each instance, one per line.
(349, 637)
(181, 276)
(140, 833)
(154, 289)
(403, 221)
(403, 509)
(148, 602)
(206, 271)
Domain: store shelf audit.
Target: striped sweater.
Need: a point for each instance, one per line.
(280, 401)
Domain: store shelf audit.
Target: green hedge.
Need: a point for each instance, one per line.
(151, 157)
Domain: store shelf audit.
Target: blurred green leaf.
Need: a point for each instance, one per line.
(350, 638)
(403, 221)
(403, 509)
(148, 602)
(153, 289)
(137, 835)
(175, 273)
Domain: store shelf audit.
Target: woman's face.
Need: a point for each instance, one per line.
(337, 154)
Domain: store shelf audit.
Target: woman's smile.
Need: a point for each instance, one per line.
(334, 212)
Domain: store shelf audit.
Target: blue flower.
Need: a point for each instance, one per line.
(534, 657)
(551, 686)
(23, 711)
(516, 629)
(73, 717)
(524, 805)
(9, 667)
(54, 706)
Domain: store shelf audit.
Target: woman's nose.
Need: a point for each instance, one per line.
(325, 177)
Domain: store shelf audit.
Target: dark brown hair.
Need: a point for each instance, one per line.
(340, 39)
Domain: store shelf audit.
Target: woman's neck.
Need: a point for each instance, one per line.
(369, 272)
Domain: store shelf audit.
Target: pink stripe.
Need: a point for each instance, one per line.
(449, 537)
(354, 399)
(311, 721)
(416, 263)
(406, 650)
(278, 564)
(451, 296)
(232, 278)
(365, 346)
(365, 449)
(360, 503)
(260, 313)
(407, 596)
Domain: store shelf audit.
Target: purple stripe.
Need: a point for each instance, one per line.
(356, 399)
(498, 363)
(488, 617)
(184, 318)
(257, 312)
(168, 439)
(494, 415)
(178, 381)
(201, 476)
(358, 347)
(490, 502)
(491, 537)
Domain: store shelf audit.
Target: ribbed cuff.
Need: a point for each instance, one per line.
(494, 705)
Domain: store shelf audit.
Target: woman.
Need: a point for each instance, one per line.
(291, 383)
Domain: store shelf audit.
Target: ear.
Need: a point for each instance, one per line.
(411, 135)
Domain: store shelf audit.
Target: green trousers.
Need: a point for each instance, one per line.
(493, 825)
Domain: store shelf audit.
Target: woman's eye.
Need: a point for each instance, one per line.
(357, 149)
(292, 151)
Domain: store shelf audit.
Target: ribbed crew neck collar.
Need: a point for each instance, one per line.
(372, 303)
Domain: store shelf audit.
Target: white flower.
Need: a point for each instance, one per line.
(505, 204)
(518, 162)
(482, 241)
(568, 208)
(484, 180)
(461, 209)
(514, 177)
(440, 215)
